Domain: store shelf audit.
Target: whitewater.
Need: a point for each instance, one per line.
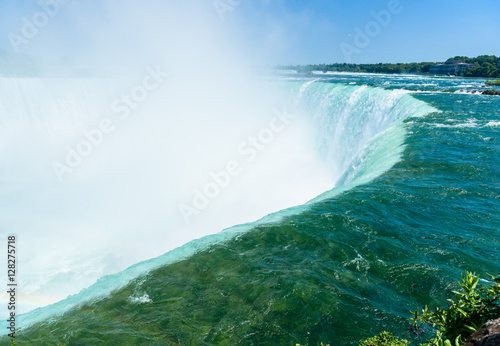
(373, 181)
(165, 187)
(126, 199)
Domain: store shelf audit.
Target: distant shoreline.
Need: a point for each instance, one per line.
(319, 72)
(485, 66)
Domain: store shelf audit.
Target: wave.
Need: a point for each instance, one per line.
(357, 133)
(348, 117)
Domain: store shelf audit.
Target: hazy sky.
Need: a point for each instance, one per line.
(278, 31)
(423, 30)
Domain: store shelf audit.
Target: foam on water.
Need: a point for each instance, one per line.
(340, 135)
(119, 202)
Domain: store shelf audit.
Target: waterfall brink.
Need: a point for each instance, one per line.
(129, 173)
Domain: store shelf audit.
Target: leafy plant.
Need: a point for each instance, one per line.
(491, 92)
(466, 312)
(384, 339)
(493, 82)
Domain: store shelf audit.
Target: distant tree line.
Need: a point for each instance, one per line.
(486, 66)
(370, 68)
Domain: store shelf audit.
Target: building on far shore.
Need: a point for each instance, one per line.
(452, 67)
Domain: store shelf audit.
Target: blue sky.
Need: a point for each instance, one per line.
(292, 31)
(424, 30)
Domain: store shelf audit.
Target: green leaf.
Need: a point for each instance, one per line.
(470, 328)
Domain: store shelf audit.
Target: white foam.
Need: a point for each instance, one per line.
(140, 300)
(128, 209)
(493, 124)
(470, 123)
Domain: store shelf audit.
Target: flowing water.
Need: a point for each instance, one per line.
(379, 191)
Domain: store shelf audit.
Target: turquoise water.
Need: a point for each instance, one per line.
(417, 202)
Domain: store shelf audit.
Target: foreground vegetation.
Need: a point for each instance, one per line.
(384, 339)
(486, 66)
(467, 311)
